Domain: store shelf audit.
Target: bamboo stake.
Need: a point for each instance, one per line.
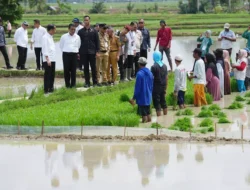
(82, 129)
(242, 132)
(215, 130)
(124, 134)
(42, 131)
(157, 132)
(18, 127)
(190, 134)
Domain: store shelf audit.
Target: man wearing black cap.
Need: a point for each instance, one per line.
(164, 38)
(21, 39)
(3, 46)
(199, 79)
(102, 60)
(36, 39)
(97, 27)
(77, 24)
(89, 50)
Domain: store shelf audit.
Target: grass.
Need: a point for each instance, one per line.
(239, 99)
(183, 124)
(186, 112)
(124, 98)
(206, 122)
(235, 105)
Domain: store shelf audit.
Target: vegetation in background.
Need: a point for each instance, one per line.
(183, 124)
(235, 105)
(98, 8)
(205, 113)
(156, 125)
(239, 99)
(247, 94)
(186, 112)
(206, 122)
(11, 10)
(130, 7)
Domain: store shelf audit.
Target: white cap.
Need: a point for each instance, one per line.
(178, 58)
(227, 26)
(142, 60)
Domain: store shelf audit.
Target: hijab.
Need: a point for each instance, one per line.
(226, 56)
(157, 57)
(211, 64)
(242, 55)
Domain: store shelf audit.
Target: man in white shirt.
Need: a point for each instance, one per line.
(77, 24)
(138, 42)
(199, 79)
(49, 58)
(36, 39)
(227, 37)
(21, 39)
(131, 52)
(70, 44)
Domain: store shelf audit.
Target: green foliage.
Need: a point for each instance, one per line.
(130, 7)
(40, 5)
(247, 94)
(205, 113)
(98, 8)
(191, 6)
(221, 114)
(235, 105)
(64, 8)
(182, 125)
(186, 112)
(239, 99)
(207, 122)
(32, 94)
(124, 98)
(11, 10)
(210, 129)
(214, 107)
(156, 125)
(234, 86)
(156, 7)
(209, 98)
(223, 120)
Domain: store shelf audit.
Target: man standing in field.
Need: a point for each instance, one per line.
(227, 37)
(246, 35)
(143, 90)
(70, 44)
(164, 38)
(89, 50)
(77, 24)
(36, 39)
(146, 44)
(9, 29)
(3, 46)
(21, 39)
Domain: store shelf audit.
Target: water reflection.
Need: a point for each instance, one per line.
(124, 166)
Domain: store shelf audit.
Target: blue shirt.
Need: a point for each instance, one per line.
(2, 36)
(146, 39)
(143, 87)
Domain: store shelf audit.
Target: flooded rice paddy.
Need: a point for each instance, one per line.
(134, 166)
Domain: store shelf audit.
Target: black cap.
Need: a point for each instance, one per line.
(197, 50)
(162, 22)
(76, 20)
(103, 25)
(218, 52)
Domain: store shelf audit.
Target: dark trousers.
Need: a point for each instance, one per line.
(38, 52)
(22, 56)
(89, 60)
(5, 55)
(144, 53)
(9, 33)
(159, 99)
(49, 76)
(130, 60)
(121, 67)
(167, 52)
(136, 59)
(181, 97)
(69, 67)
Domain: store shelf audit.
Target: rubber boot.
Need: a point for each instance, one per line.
(149, 118)
(125, 75)
(165, 111)
(129, 71)
(158, 113)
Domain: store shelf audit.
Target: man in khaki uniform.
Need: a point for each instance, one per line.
(102, 60)
(114, 55)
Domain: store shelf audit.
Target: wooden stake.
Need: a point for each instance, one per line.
(82, 129)
(215, 130)
(42, 131)
(242, 132)
(157, 132)
(190, 132)
(124, 134)
(18, 127)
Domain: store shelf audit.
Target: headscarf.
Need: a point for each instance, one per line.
(242, 54)
(157, 56)
(209, 32)
(226, 56)
(211, 64)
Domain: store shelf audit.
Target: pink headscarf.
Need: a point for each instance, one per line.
(226, 55)
(242, 55)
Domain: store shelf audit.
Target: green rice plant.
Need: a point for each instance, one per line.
(205, 113)
(183, 124)
(209, 98)
(247, 94)
(178, 113)
(223, 120)
(124, 98)
(204, 108)
(156, 125)
(234, 86)
(210, 129)
(186, 112)
(214, 107)
(206, 122)
(221, 114)
(239, 99)
(235, 105)
(204, 130)
(171, 100)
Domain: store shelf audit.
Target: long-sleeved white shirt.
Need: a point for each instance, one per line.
(48, 47)
(180, 78)
(37, 36)
(79, 27)
(131, 42)
(199, 72)
(138, 40)
(21, 37)
(70, 44)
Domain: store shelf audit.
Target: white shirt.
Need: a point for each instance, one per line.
(180, 81)
(138, 40)
(9, 26)
(48, 48)
(21, 37)
(199, 72)
(131, 42)
(221, 77)
(240, 75)
(37, 36)
(70, 44)
(226, 44)
(79, 27)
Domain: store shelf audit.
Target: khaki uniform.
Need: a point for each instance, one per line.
(115, 46)
(102, 60)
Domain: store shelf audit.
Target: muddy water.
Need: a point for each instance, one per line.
(95, 166)
(180, 45)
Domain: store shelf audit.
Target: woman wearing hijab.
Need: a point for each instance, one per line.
(227, 83)
(240, 70)
(220, 68)
(247, 79)
(160, 73)
(206, 42)
(212, 77)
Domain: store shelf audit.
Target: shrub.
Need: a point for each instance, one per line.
(235, 105)
(205, 113)
(182, 125)
(98, 8)
(239, 99)
(223, 120)
(207, 123)
(156, 125)
(130, 7)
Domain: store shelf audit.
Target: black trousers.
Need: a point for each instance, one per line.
(22, 56)
(136, 59)
(38, 52)
(159, 99)
(144, 53)
(5, 55)
(130, 60)
(121, 67)
(69, 67)
(49, 76)
(89, 60)
(9, 33)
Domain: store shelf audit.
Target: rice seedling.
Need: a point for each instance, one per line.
(183, 124)
(186, 112)
(205, 113)
(239, 99)
(156, 125)
(247, 94)
(235, 105)
(223, 120)
(214, 107)
(206, 122)
(124, 98)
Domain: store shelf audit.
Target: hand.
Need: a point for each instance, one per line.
(134, 52)
(168, 46)
(49, 63)
(31, 47)
(97, 54)
(118, 57)
(148, 49)
(78, 56)
(132, 102)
